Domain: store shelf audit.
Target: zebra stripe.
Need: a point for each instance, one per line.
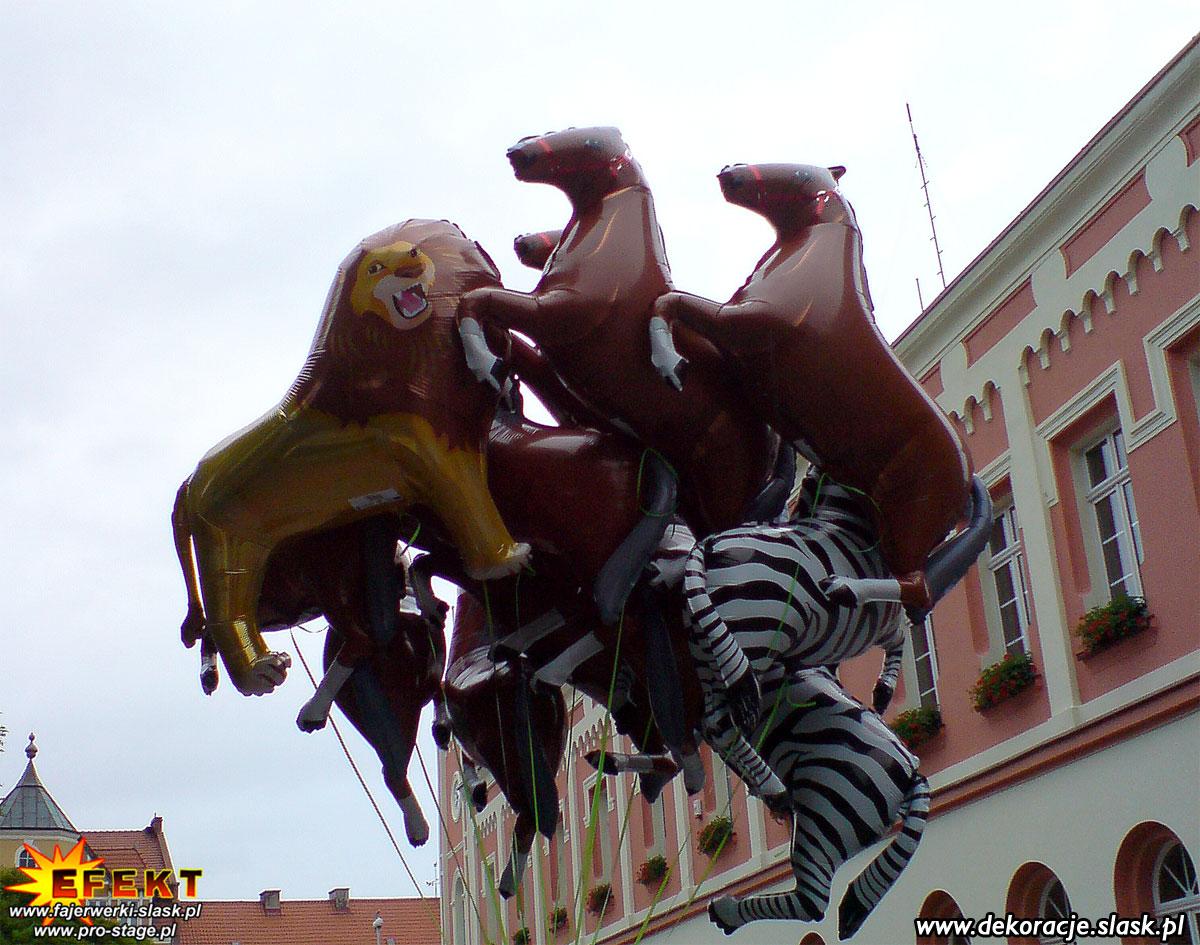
(848, 779)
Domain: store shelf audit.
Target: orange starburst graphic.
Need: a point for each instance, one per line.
(56, 879)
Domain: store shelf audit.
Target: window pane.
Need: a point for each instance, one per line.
(999, 541)
(1176, 876)
(1097, 472)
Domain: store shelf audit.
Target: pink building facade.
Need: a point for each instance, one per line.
(1068, 354)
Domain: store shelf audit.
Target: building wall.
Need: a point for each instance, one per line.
(1082, 317)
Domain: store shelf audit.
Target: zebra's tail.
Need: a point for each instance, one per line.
(879, 876)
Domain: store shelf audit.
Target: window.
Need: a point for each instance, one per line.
(721, 785)
(925, 660)
(1110, 494)
(1006, 563)
(1055, 905)
(458, 912)
(25, 859)
(1177, 893)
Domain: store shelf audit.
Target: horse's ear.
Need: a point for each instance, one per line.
(837, 171)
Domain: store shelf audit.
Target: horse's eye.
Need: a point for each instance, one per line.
(414, 252)
(375, 268)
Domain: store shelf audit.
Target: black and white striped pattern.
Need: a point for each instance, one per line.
(848, 779)
(754, 598)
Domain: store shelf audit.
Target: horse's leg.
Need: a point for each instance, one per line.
(518, 855)
(315, 712)
(210, 671)
(474, 784)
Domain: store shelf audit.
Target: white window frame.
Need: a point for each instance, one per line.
(1117, 486)
(930, 654)
(1188, 906)
(25, 859)
(1010, 560)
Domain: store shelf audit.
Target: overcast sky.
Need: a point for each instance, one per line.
(178, 183)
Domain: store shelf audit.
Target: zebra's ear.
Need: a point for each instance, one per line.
(837, 171)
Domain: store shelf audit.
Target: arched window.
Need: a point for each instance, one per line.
(1155, 874)
(25, 859)
(1054, 905)
(1036, 891)
(458, 912)
(939, 904)
(1177, 892)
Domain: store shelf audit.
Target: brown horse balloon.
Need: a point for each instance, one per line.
(801, 337)
(382, 417)
(513, 726)
(590, 314)
(383, 664)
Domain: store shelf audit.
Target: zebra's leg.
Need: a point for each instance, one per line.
(864, 893)
(518, 856)
(885, 685)
(806, 903)
(728, 742)
(715, 649)
(855, 592)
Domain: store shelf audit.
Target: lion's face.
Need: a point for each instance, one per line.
(393, 283)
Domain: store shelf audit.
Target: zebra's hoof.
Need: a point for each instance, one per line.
(851, 915)
(723, 914)
(441, 735)
(838, 590)
(881, 697)
(605, 764)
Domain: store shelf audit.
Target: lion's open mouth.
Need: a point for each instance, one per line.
(410, 302)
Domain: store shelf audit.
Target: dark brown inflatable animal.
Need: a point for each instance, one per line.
(801, 338)
(590, 313)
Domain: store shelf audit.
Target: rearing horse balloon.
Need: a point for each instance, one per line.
(590, 312)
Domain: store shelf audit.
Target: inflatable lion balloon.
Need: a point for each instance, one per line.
(384, 416)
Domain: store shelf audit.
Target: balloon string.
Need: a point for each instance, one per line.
(446, 831)
(354, 767)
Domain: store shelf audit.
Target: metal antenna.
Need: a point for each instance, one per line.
(925, 187)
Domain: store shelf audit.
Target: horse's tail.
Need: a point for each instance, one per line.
(950, 560)
(864, 893)
(711, 642)
(181, 525)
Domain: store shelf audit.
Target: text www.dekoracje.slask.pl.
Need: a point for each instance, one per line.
(1066, 929)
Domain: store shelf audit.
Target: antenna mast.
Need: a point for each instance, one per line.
(928, 204)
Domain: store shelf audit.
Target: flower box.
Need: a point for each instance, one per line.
(598, 898)
(653, 870)
(715, 836)
(1015, 673)
(917, 726)
(556, 920)
(1121, 618)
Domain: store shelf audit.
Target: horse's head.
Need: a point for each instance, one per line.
(790, 196)
(582, 162)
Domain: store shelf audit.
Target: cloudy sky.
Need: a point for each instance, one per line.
(177, 185)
